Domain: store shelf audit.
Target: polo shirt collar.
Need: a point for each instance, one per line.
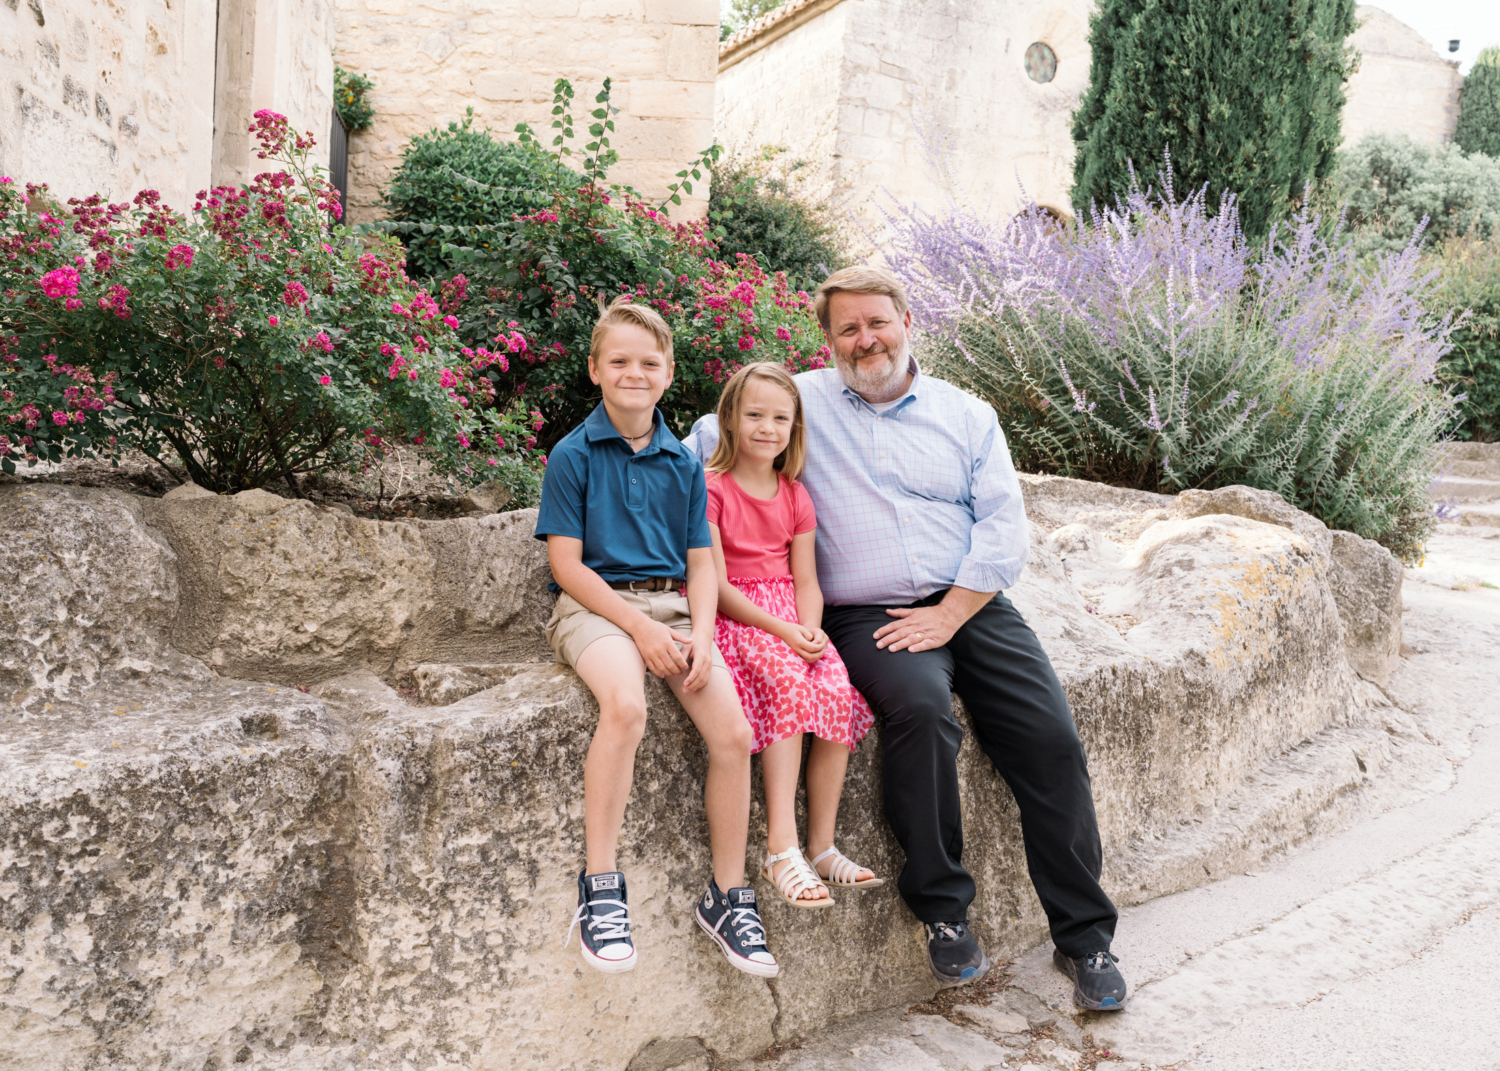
(597, 428)
(903, 401)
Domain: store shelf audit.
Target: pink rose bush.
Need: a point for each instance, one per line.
(246, 340)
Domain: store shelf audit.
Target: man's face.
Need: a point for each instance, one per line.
(869, 344)
(631, 369)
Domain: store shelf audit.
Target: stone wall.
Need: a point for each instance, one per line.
(430, 60)
(96, 96)
(275, 54)
(1403, 85)
(303, 869)
(112, 98)
(864, 76)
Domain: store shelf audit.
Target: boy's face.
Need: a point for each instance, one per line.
(631, 369)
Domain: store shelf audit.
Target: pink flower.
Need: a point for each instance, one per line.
(492, 461)
(500, 441)
(463, 440)
(451, 321)
(447, 379)
(115, 301)
(747, 342)
(274, 321)
(784, 334)
(59, 418)
(325, 380)
(179, 256)
(60, 282)
(72, 304)
(294, 296)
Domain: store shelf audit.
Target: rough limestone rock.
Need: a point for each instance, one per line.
(201, 871)
(1366, 581)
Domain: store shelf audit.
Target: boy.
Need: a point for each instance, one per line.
(623, 515)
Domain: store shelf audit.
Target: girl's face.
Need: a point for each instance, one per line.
(765, 421)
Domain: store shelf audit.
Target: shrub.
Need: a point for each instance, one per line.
(462, 178)
(1478, 128)
(741, 13)
(246, 342)
(1245, 97)
(1469, 274)
(1148, 347)
(753, 209)
(349, 100)
(1390, 183)
(546, 273)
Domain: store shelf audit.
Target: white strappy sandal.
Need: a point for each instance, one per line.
(796, 879)
(842, 870)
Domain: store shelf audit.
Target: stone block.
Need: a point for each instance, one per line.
(1366, 582)
(683, 12)
(692, 54)
(671, 100)
(992, 1019)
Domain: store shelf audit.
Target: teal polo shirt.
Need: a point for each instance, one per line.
(638, 514)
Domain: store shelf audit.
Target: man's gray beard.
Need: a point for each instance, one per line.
(876, 387)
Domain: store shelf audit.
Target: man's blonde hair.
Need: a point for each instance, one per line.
(860, 279)
(790, 461)
(620, 313)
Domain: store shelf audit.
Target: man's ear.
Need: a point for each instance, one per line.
(906, 321)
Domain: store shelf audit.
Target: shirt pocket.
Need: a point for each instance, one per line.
(939, 473)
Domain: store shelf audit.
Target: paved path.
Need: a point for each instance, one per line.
(1369, 950)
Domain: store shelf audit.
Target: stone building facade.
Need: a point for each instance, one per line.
(430, 59)
(871, 87)
(1403, 84)
(117, 97)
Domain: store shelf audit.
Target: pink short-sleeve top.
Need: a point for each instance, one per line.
(757, 532)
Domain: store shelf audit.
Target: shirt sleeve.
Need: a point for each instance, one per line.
(804, 518)
(564, 493)
(1000, 541)
(715, 498)
(703, 438)
(698, 535)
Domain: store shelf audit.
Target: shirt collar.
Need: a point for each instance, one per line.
(597, 428)
(903, 401)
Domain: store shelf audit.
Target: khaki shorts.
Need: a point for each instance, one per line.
(573, 627)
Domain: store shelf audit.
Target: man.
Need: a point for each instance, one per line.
(920, 527)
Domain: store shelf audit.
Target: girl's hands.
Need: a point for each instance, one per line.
(809, 643)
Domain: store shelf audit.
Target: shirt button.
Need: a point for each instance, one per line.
(632, 480)
(882, 453)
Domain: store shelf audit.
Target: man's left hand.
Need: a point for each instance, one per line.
(925, 628)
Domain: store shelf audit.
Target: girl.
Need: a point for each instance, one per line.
(790, 679)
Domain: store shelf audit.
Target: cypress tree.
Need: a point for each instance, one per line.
(1244, 95)
(1478, 127)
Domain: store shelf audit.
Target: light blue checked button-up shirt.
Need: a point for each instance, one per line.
(912, 500)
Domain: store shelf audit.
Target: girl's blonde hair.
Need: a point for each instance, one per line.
(790, 461)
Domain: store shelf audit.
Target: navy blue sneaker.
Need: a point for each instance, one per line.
(604, 923)
(954, 955)
(733, 921)
(1098, 984)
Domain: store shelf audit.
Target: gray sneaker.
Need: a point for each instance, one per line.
(954, 955)
(1098, 984)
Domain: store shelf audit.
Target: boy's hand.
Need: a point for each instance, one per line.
(809, 643)
(701, 650)
(660, 647)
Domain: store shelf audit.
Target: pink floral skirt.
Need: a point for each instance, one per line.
(782, 694)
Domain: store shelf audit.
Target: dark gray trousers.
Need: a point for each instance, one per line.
(997, 666)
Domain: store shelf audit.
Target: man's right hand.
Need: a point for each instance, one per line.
(660, 647)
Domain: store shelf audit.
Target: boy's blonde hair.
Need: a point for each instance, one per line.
(790, 461)
(860, 279)
(622, 312)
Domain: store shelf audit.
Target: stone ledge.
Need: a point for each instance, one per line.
(346, 879)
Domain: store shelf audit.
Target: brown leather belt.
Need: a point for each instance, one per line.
(656, 583)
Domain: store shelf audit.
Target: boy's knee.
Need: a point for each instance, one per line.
(623, 715)
(733, 740)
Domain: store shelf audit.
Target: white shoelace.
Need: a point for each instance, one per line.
(748, 927)
(607, 927)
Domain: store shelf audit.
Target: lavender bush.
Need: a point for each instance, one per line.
(1151, 347)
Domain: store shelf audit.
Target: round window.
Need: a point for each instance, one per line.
(1041, 62)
